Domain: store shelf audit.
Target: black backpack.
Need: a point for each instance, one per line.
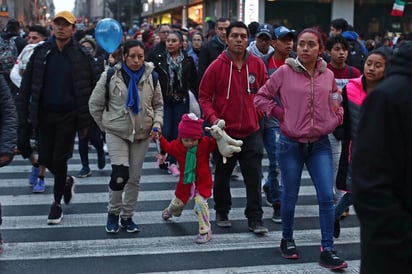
(356, 58)
(110, 73)
(8, 54)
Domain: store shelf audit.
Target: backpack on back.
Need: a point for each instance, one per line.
(8, 54)
(356, 58)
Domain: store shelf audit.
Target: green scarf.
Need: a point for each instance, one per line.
(190, 166)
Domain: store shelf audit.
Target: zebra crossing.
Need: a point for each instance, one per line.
(81, 245)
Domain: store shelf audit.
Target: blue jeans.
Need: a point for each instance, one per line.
(270, 138)
(172, 114)
(317, 157)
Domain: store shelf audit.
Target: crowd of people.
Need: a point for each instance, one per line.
(298, 96)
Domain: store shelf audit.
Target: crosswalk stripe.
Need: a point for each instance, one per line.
(160, 245)
(82, 198)
(300, 268)
(142, 217)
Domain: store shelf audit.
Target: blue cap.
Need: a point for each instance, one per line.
(282, 31)
(264, 29)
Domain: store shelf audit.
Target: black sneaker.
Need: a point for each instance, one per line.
(330, 260)
(267, 195)
(112, 225)
(69, 189)
(288, 249)
(276, 213)
(336, 229)
(222, 220)
(257, 227)
(55, 214)
(129, 225)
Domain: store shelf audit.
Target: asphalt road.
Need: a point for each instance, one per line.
(80, 243)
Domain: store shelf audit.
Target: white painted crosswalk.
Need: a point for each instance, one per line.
(80, 244)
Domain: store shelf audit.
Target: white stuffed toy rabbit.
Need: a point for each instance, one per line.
(225, 144)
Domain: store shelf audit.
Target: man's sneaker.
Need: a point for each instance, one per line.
(329, 259)
(55, 214)
(267, 195)
(276, 213)
(69, 189)
(34, 174)
(166, 215)
(222, 220)
(288, 249)
(39, 186)
(84, 172)
(174, 170)
(101, 160)
(336, 229)
(112, 225)
(129, 225)
(257, 227)
(204, 238)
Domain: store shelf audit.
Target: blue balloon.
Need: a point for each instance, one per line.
(109, 34)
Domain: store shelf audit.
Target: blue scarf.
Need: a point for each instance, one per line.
(133, 100)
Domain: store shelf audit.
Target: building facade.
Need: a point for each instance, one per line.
(28, 12)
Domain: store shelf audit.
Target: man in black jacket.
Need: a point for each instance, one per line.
(54, 97)
(211, 50)
(381, 170)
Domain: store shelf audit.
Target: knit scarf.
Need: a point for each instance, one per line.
(175, 66)
(190, 166)
(133, 100)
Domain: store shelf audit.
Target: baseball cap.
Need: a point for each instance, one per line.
(264, 29)
(66, 15)
(282, 31)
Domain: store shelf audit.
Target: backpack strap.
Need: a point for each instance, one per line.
(155, 78)
(109, 75)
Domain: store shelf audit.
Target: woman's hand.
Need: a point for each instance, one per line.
(156, 133)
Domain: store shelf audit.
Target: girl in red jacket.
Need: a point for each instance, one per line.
(192, 151)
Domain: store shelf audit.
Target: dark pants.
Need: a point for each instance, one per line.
(172, 114)
(56, 140)
(96, 138)
(250, 161)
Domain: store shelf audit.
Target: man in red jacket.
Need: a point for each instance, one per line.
(226, 93)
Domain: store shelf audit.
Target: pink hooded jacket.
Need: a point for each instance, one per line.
(305, 114)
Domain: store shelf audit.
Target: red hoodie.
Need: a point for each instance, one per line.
(227, 93)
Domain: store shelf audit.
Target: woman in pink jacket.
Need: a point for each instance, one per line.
(306, 113)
